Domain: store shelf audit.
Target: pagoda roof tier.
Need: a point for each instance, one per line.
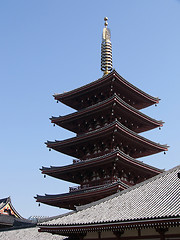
(73, 172)
(81, 197)
(126, 114)
(103, 88)
(100, 141)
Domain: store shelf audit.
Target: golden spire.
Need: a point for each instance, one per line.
(106, 49)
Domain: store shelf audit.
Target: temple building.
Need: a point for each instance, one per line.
(10, 218)
(118, 196)
(149, 210)
(108, 147)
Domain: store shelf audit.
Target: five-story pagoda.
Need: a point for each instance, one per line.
(107, 124)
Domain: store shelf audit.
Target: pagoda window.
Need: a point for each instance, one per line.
(98, 125)
(99, 151)
(91, 149)
(90, 127)
(88, 154)
(95, 150)
(117, 147)
(106, 123)
(122, 149)
(131, 181)
(106, 148)
(88, 100)
(102, 121)
(101, 148)
(85, 180)
(124, 177)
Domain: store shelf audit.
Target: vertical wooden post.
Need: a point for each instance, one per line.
(162, 231)
(99, 235)
(118, 234)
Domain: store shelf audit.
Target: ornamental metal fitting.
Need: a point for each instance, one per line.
(106, 49)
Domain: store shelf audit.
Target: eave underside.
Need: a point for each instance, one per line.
(123, 162)
(136, 97)
(81, 197)
(99, 113)
(116, 135)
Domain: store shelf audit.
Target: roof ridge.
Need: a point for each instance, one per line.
(41, 221)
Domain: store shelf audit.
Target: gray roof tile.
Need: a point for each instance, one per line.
(156, 197)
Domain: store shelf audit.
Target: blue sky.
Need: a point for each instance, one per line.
(54, 46)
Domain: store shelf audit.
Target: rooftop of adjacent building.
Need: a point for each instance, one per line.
(157, 197)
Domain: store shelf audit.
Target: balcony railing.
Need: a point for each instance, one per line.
(93, 184)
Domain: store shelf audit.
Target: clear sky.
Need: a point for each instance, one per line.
(52, 46)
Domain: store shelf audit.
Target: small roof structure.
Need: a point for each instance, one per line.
(28, 234)
(10, 218)
(6, 208)
(154, 202)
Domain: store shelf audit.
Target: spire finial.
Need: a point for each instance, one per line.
(106, 49)
(106, 23)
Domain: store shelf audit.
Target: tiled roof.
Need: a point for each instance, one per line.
(157, 197)
(28, 234)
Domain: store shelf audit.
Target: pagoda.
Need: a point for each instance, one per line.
(107, 123)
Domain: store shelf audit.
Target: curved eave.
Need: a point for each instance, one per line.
(153, 100)
(62, 121)
(62, 172)
(8, 201)
(132, 136)
(64, 97)
(75, 197)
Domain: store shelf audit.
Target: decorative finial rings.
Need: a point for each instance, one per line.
(106, 23)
